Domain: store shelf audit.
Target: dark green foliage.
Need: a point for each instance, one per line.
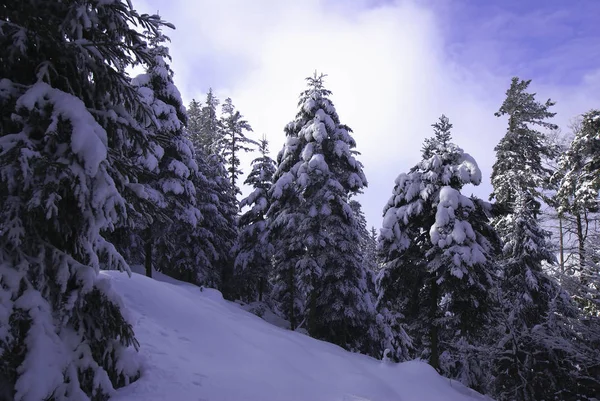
(167, 187)
(254, 252)
(216, 234)
(204, 119)
(437, 251)
(70, 119)
(233, 140)
(320, 281)
(544, 349)
(519, 167)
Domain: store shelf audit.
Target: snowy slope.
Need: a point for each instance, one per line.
(196, 346)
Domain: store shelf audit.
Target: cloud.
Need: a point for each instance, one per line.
(393, 68)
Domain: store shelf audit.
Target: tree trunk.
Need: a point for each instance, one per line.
(581, 242)
(227, 283)
(148, 257)
(292, 288)
(261, 288)
(312, 313)
(561, 244)
(434, 358)
(233, 167)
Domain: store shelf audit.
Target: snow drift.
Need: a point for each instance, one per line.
(197, 346)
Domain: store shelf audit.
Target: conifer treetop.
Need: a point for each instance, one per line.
(442, 129)
(523, 109)
(441, 137)
(316, 131)
(520, 154)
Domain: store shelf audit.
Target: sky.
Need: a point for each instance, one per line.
(393, 66)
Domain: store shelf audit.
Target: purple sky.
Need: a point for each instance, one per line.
(393, 66)
(551, 41)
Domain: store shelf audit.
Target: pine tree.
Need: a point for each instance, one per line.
(254, 251)
(204, 119)
(361, 221)
(367, 247)
(371, 254)
(541, 353)
(519, 154)
(171, 185)
(217, 233)
(320, 279)
(68, 123)
(577, 197)
(367, 244)
(234, 140)
(552, 218)
(544, 351)
(437, 250)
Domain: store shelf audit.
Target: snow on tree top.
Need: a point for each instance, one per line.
(468, 170)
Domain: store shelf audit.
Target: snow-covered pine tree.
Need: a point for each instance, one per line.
(462, 262)
(320, 279)
(541, 353)
(519, 154)
(69, 120)
(366, 244)
(437, 251)
(234, 140)
(362, 223)
(559, 223)
(368, 248)
(194, 123)
(544, 351)
(170, 181)
(206, 245)
(217, 233)
(369, 259)
(254, 251)
(371, 253)
(578, 199)
(204, 118)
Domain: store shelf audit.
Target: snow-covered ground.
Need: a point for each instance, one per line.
(196, 346)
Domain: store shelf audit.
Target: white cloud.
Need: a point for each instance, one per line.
(387, 67)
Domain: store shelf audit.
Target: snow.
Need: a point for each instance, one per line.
(468, 170)
(449, 201)
(46, 356)
(317, 162)
(88, 139)
(308, 151)
(284, 182)
(197, 346)
(171, 185)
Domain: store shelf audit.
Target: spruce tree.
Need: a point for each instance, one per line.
(217, 233)
(171, 186)
(372, 258)
(437, 251)
(367, 247)
(203, 125)
(69, 120)
(320, 280)
(541, 351)
(578, 199)
(544, 351)
(519, 154)
(254, 251)
(234, 141)
(362, 224)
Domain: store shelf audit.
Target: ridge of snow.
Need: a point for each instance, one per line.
(197, 346)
